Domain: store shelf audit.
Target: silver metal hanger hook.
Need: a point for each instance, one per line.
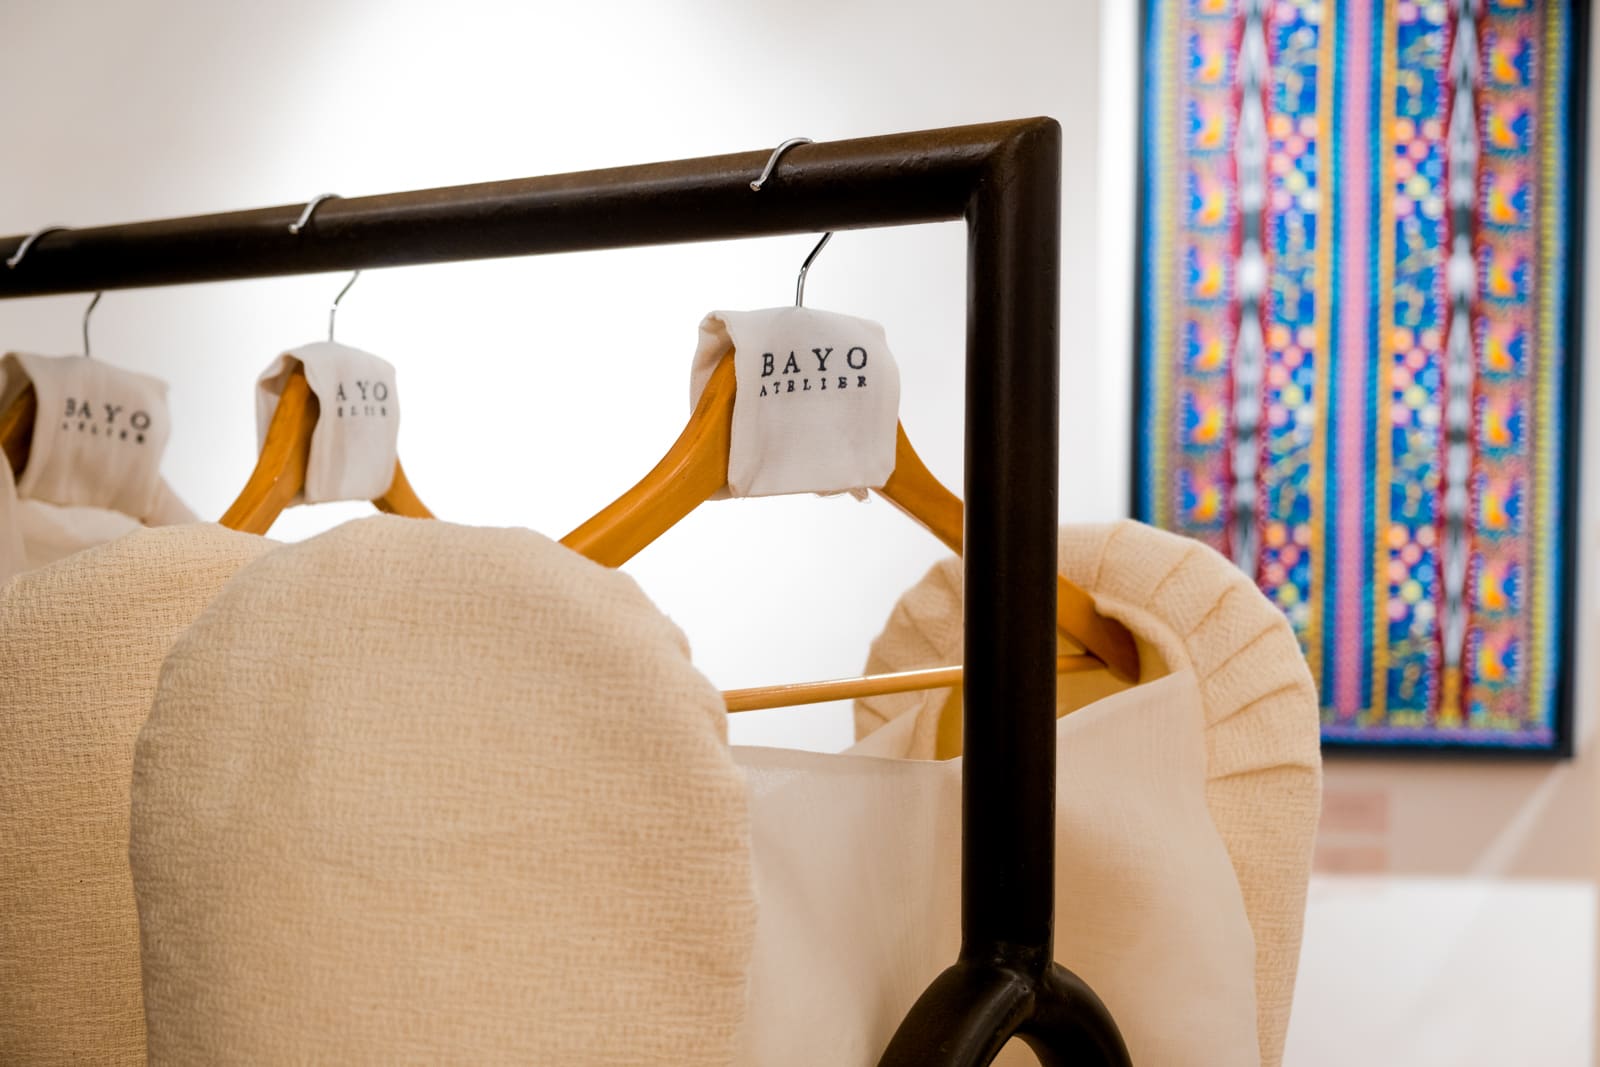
(800, 282)
(755, 186)
(27, 242)
(297, 227)
(334, 310)
(772, 161)
(14, 260)
(86, 313)
(305, 215)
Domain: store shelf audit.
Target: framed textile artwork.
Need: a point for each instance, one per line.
(1357, 333)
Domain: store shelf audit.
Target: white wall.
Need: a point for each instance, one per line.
(1445, 972)
(535, 391)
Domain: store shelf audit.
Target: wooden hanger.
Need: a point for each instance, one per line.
(696, 466)
(16, 428)
(280, 472)
(762, 697)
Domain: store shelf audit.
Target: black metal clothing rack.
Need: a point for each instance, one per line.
(1004, 179)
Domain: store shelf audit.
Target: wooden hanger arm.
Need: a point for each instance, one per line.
(693, 470)
(783, 696)
(280, 471)
(401, 499)
(1077, 616)
(16, 428)
(914, 490)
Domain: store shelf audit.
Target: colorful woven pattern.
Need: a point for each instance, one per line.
(1354, 341)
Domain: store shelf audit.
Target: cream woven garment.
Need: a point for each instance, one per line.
(34, 533)
(81, 644)
(858, 871)
(419, 793)
(1190, 609)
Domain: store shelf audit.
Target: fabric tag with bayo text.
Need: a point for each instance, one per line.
(816, 402)
(99, 434)
(355, 442)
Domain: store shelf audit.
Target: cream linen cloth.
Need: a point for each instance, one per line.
(94, 460)
(1191, 611)
(858, 873)
(81, 644)
(412, 792)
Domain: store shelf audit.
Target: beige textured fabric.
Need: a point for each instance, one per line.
(81, 644)
(858, 873)
(1190, 609)
(418, 793)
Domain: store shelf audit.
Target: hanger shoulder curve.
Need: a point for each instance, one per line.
(1107, 638)
(400, 499)
(915, 490)
(694, 468)
(16, 428)
(280, 471)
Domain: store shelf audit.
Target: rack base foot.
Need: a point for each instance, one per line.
(971, 1010)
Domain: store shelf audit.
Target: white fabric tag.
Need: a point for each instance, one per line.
(355, 442)
(816, 403)
(99, 436)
